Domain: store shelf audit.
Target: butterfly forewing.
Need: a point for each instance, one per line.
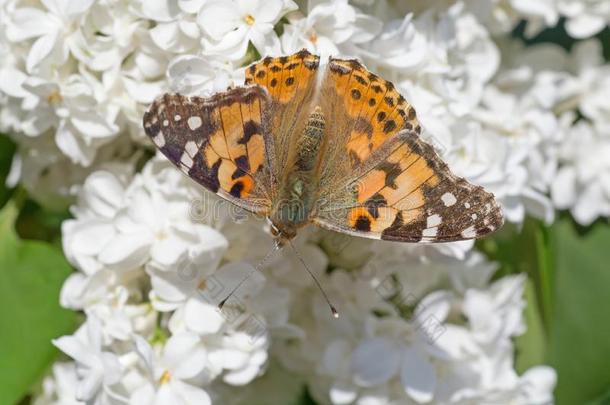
(222, 142)
(291, 83)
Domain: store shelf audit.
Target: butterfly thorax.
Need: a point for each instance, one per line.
(297, 196)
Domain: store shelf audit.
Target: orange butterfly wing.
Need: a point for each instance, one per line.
(222, 142)
(378, 179)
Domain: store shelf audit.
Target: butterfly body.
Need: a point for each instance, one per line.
(338, 148)
(297, 191)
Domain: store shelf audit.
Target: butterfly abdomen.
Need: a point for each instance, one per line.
(297, 190)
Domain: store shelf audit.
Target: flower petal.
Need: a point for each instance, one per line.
(375, 361)
(417, 376)
(202, 317)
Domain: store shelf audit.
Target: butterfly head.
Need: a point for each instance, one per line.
(282, 234)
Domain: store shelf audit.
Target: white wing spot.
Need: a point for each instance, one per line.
(433, 220)
(473, 216)
(159, 139)
(430, 232)
(448, 199)
(194, 122)
(186, 160)
(177, 117)
(467, 205)
(165, 123)
(191, 148)
(469, 232)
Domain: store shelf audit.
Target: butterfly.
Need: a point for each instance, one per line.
(338, 147)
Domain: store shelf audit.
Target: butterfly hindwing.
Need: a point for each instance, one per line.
(379, 179)
(222, 142)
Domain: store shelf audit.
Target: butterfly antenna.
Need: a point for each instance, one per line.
(276, 246)
(332, 308)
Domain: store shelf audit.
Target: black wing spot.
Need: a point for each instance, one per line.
(250, 128)
(389, 126)
(237, 189)
(412, 113)
(360, 80)
(373, 204)
(392, 171)
(363, 224)
(242, 163)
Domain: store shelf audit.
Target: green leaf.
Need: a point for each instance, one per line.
(531, 346)
(579, 346)
(526, 251)
(604, 399)
(31, 275)
(7, 149)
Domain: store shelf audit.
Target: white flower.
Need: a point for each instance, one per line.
(330, 29)
(431, 357)
(203, 76)
(53, 29)
(182, 359)
(585, 18)
(135, 225)
(582, 184)
(231, 25)
(96, 369)
(540, 14)
(60, 386)
(69, 107)
(496, 314)
(401, 45)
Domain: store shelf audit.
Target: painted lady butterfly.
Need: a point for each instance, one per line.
(339, 148)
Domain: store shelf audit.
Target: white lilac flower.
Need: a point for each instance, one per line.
(71, 110)
(51, 27)
(552, 88)
(59, 387)
(182, 359)
(202, 76)
(124, 228)
(584, 18)
(582, 184)
(429, 357)
(231, 25)
(331, 28)
(97, 370)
